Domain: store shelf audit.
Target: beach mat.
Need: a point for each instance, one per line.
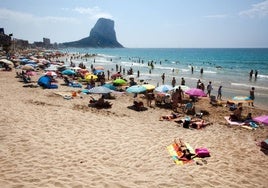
(177, 154)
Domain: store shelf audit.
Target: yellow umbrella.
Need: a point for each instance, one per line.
(149, 86)
(90, 76)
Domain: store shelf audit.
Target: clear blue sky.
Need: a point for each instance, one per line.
(142, 23)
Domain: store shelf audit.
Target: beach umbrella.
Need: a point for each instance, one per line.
(90, 76)
(27, 67)
(5, 61)
(50, 73)
(116, 75)
(98, 71)
(164, 88)
(83, 71)
(75, 68)
(119, 81)
(262, 119)
(149, 86)
(99, 68)
(99, 90)
(241, 99)
(52, 68)
(183, 87)
(130, 76)
(110, 86)
(136, 89)
(196, 92)
(68, 72)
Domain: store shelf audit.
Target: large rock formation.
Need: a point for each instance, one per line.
(102, 35)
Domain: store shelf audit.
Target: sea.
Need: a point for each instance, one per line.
(226, 67)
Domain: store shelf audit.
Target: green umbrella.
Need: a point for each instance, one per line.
(119, 81)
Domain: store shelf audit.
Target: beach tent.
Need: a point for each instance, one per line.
(45, 82)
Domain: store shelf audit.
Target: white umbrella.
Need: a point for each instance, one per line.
(100, 90)
(6, 62)
(183, 87)
(75, 68)
(52, 68)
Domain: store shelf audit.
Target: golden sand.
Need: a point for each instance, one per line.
(48, 141)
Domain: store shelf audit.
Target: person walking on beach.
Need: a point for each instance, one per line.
(182, 81)
(252, 96)
(163, 78)
(219, 93)
(209, 88)
(173, 82)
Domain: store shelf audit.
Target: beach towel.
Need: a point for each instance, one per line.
(233, 122)
(177, 154)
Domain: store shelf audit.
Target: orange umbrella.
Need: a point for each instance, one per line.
(99, 68)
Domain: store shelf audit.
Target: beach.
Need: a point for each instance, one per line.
(49, 141)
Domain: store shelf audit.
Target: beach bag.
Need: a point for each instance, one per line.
(202, 152)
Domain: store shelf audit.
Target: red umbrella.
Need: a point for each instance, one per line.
(196, 92)
(116, 75)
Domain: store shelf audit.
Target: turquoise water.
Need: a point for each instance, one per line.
(227, 67)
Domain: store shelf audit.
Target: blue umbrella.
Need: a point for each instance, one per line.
(110, 86)
(164, 88)
(242, 99)
(68, 72)
(136, 89)
(98, 72)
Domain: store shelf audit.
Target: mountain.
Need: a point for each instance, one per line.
(102, 35)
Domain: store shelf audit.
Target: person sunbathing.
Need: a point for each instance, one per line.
(169, 117)
(181, 146)
(198, 123)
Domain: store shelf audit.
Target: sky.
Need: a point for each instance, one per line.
(142, 23)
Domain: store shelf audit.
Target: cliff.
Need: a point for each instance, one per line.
(102, 35)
